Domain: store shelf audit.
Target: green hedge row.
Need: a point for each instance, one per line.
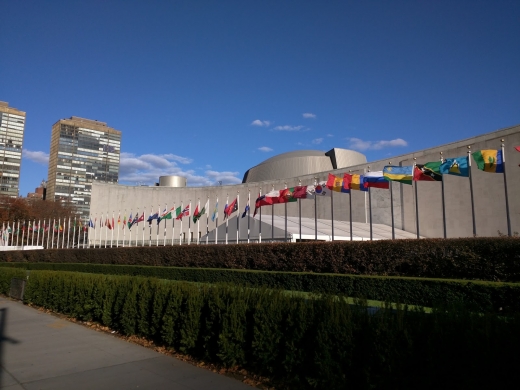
(480, 296)
(494, 259)
(6, 275)
(301, 343)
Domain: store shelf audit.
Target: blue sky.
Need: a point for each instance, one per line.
(208, 89)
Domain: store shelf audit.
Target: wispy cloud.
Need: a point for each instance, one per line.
(330, 135)
(288, 128)
(36, 156)
(317, 141)
(359, 144)
(265, 149)
(258, 122)
(147, 168)
(309, 115)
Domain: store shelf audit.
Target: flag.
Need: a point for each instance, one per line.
(141, 218)
(196, 214)
(91, 224)
(215, 212)
(300, 192)
(183, 213)
(375, 180)
(108, 224)
(356, 182)
(517, 148)
(428, 172)
(399, 174)
(245, 210)
(129, 222)
(124, 222)
(165, 215)
(489, 160)
(113, 223)
(231, 208)
(152, 217)
(455, 166)
(119, 219)
(318, 190)
(335, 183)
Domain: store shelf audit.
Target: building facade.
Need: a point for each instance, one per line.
(12, 126)
(398, 205)
(82, 151)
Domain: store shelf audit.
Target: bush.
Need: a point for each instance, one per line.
(480, 296)
(6, 275)
(322, 342)
(494, 259)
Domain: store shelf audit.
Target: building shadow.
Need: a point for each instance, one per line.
(3, 340)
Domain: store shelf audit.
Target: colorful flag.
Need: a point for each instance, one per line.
(141, 218)
(399, 174)
(245, 211)
(165, 215)
(355, 182)
(197, 214)
(375, 180)
(300, 192)
(335, 183)
(91, 224)
(183, 213)
(489, 160)
(119, 219)
(231, 208)
(124, 222)
(428, 172)
(152, 217)
(318, 190)
(129, 222)
(455, 166)
(517, 148)
(215, 212)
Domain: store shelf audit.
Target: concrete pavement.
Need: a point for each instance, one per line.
(41, 351)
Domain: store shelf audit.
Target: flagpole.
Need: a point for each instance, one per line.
(300, 211)
(207, 222)
(73, 233)
(248, 214)
(150, 228)
(285, 207)
(471, 193)
(443, 203)
(216, 224)
(38, 233)
(159, 225)
(189, 224)
(350, 208)
(227, 219)
(370, 208)
(238, 212)
(113, 227)
(84, 234)
(107, 222)
(198, 222)
(118, 220)
(260, 226)
(68, 235)
(23, 231)
(180, 233)
(416, 200)
(173, 223)
(48, 233)
(63, 235)
(124, 229)
(272, 220)
(315, 210)
(505, 190)
(332, 211)
(144, 227)
(53, 226)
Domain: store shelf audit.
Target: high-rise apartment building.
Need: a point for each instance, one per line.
(82, 151)
(12, 125)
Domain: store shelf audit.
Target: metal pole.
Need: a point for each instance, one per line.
(207, 222)
(180, 233)
(416, 203)
(285, 204)
(272, 221)
(238, 212)
(226, 217)
(471, 193)
(189, 224)
(505, 191)
(260, 226)
(332, 211)
(248, 214)
(38, 234)
(315, 210)
(73, 234)
(53, 226)
(443, 204)
(300, 212)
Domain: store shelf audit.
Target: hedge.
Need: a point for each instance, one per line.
(300, 343)
(494, 259)
(480, 296)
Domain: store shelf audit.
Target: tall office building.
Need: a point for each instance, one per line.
(82, 151)
(12, 125)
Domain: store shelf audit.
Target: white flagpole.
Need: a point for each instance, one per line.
(198, 220)
(159, 225)
(68, 235)
(58, 235)
(124, 229)
(113, 227)
(248, 213)
(416, 200)
(32, 240)
(505, 190)
(471, 193)
(174, 216)
(315, 210)
(84, 236)
(130, 234)
(216, 223)
(207, 222)
(370, 207)
(144, 226)
(238, 214)
(53, 226)
(285, 207)
(391, 185)
(443, 203)
(150, 228)
(227, 219)
(300, 211)
(23, 231)
(260, 211)
(180, 233)
(118, 219)
(272, 220)
(189, 224)
(38, 234)
(332, 211)
(74, 233)
(106, 230)
(63, 233)
(48, 233)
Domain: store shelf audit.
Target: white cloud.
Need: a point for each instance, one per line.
(258, 122)
(330, 135)
(308, 115)
(359, 144)
(288, 128)
(36, 156)
(265, 149)
(147, 168)
(317, 141)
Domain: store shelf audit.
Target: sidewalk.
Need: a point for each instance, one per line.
(41, 351)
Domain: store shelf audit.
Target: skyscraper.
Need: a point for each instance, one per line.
(12, 125)
(82, 151)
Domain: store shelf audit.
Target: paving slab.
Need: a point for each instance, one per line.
(41, 351)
